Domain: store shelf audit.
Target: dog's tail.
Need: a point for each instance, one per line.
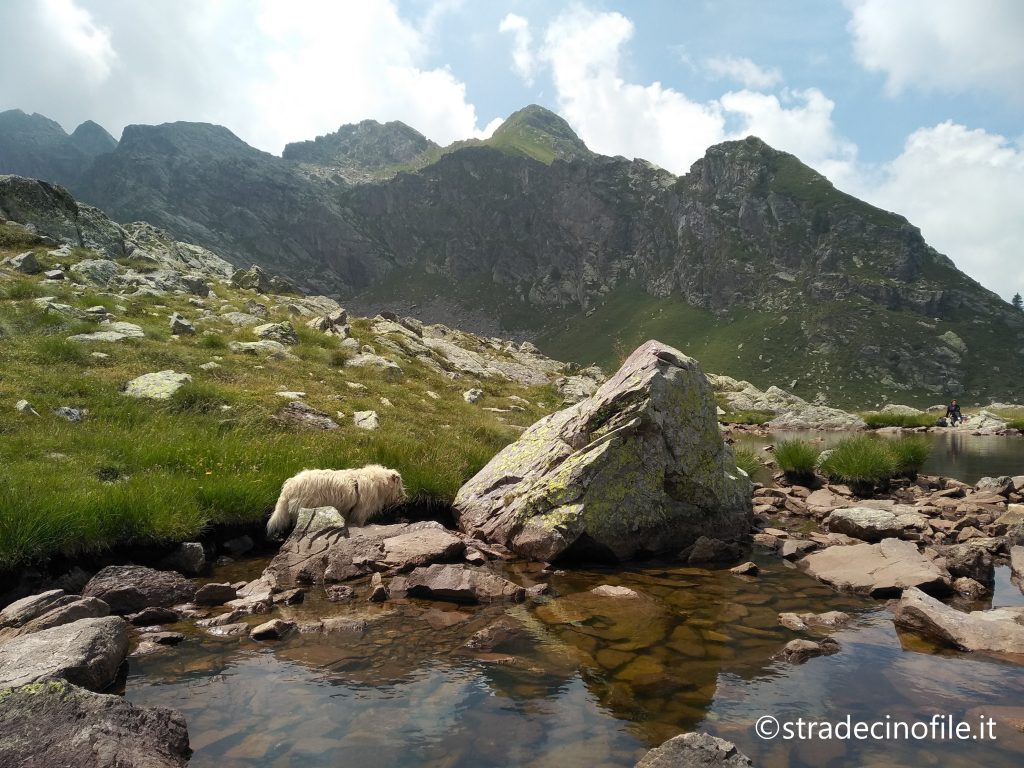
(281, 520)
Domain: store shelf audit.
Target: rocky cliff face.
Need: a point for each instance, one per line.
(33, 145)
(751, 262)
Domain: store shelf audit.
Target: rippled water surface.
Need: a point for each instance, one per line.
(594, 681)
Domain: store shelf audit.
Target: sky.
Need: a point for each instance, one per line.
(916, 106)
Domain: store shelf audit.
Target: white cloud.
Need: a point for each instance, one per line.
(273, 71)
(744, 71)
(942, 44)
(583, 48)
(522, 53)
(962, 187)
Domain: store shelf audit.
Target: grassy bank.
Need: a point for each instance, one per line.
(137, 471)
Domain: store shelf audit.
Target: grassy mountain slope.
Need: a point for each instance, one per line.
(143, 471)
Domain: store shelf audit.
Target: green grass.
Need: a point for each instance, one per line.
(747, 459)
(876, 419)
(909, 454)
(796, 458)
(861, 461)
(746, 417)
(14, 237)
(149, 471)
(1017, 424)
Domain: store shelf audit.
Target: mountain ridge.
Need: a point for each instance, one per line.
(751, 259)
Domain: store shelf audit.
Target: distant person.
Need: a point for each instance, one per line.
(953, 414)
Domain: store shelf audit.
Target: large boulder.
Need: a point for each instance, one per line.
(879, 570)
(640, 467)
(999, 630)
(695, 750)
(49, 609)
(130, 588)
(57, 724)
(86, 652)
(156, 386)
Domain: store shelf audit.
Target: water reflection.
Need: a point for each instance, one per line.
(955, 453)
(590, 681)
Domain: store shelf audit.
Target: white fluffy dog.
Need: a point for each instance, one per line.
(358, 494)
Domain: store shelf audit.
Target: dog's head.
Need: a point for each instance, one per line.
(396, 490)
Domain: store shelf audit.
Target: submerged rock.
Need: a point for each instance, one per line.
(798, 651)
(86, 652)
(57, 724)
(639, 467)
(879, 570)
(998, 630)
(695, 750)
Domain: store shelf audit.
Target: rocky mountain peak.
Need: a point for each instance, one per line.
(93, 139)
(367, 145)
(198, 140)
(541, 134)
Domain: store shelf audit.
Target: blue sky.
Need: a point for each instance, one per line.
(914, 105)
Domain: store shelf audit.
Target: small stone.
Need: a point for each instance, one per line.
(608, 590)
(54, 274)
(164, 638)
(147, 617)
(378, 592)
(368, 420)
(238, 546)
(68, 413)
(746, 569)
(157, 386)
(24, 406)
(473, 395)
(26, 263)
(339, 593)
(180, 326)
(215, 594)
(274, 629)
(210, 366)
(799, 651)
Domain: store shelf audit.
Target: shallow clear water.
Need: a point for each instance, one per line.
(955, 453)
(593, 682)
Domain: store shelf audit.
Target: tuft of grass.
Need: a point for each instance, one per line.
(876, 419)
(53, 349)
(796, 458)
(909, 454)
(746, 417)
(212, 341)
(862, 461)
(197, 397)
(18, 290)
(13, 236)
(1017, 424)
(747, 460)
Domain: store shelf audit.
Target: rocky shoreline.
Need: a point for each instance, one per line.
(572, 488)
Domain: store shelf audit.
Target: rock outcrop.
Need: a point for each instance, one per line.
(46, 610)
(57, 724)
(639, 467)
(695, 750)
(86, 652)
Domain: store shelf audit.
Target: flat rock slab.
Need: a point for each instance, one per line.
(156, 386)
(57, 724)
(879, 570)
(130, 588)
(46, 610)
(86, 652)
(999, 630)
(695, 750)
(868, 524)
(638, 467)
(462, 584)
(322, 549)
